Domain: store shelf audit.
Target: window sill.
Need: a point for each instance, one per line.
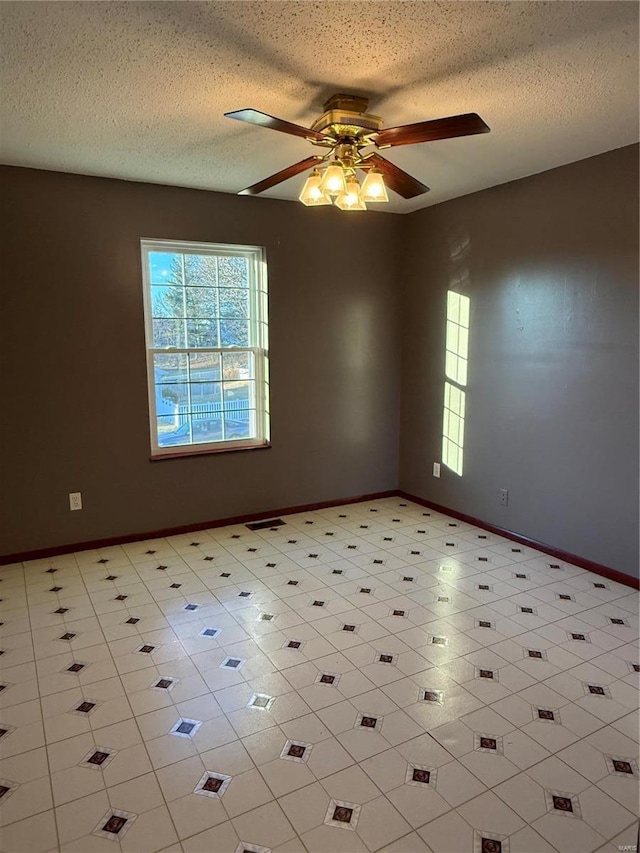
(208, 451)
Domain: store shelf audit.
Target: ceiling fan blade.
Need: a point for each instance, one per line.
(264, 120)
(429, 131)
(284, 175)
(399, 181)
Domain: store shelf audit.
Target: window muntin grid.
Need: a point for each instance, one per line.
(206, 332)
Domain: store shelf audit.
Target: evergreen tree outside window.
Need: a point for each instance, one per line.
(207, 346)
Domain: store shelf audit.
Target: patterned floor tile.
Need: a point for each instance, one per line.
(374, 677)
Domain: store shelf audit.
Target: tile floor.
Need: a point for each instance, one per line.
(374, 677)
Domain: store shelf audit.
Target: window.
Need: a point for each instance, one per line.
(456, 358)
(206, 334)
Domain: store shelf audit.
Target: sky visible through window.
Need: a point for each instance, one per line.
(160, 266)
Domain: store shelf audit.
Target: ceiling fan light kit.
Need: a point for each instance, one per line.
(345, 128)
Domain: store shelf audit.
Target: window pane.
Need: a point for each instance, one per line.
(207, 429)
(167, 302)
(168, 333)
(166, 423)
(204, 366)
(239, 428)
(207, 426)
(176, 393)
(204, 393)
(237, 365)
(165, 268)
(239, 387)
(200, 270)
(170, 368)
(233, 272)
(202, 333)
(202, 302)
(234, 303)
(170, 434)
(234, 333)
(239, 398)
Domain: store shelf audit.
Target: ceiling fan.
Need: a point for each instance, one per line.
(345, 129)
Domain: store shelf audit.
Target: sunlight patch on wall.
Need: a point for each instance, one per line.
(457, 344)
(456, 362)
(453, 428)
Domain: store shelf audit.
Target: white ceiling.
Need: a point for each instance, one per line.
(137, 90)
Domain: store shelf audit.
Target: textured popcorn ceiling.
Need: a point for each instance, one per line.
(138, 90)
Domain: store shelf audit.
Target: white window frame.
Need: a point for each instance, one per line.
(258, 340)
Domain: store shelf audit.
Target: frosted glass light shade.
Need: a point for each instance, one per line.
(373, 188)
(351, 200)
(333, 182)
(312, 195)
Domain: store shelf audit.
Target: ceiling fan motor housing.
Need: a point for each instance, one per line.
(346, 116)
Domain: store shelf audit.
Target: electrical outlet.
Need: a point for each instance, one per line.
(436, 469)
(75, 501)
(503, 497)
